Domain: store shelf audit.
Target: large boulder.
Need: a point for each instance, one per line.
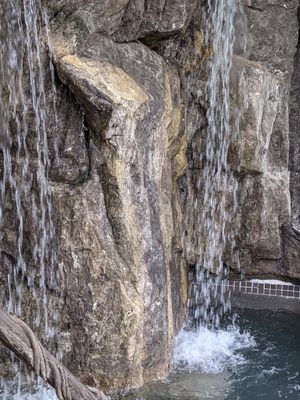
(125, 295)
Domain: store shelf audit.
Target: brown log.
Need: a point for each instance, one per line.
(20, 339)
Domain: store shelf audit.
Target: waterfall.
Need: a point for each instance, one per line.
(25, 153)
(25, 191)
(216, 182)
(29, 262)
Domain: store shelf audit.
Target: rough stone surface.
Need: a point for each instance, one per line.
(145, 113)
(119, 232)
(265, 184)
(272, 33)
(294, 159)
(125, 20)
(263, 98)
(131, 78)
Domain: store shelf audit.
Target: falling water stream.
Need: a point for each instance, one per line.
(206, 350)
(217, 182)
(24, 147)
(25, 163)
(203, 344)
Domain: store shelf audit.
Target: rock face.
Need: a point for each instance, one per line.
(267, 143)
(291, 232)
(125, 20)
(125, 147)
(115, 192)
(118, 227)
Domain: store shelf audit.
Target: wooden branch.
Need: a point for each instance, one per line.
(20, 339)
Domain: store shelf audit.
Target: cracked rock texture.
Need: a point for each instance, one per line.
(131, 122)
(268, 143)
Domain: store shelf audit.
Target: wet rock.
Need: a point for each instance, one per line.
(265, 209)
(125, 154)
(117, 229)
(272, 33)
(291, 245)
(257, 125)
(265, 185)
(125, 20)
(294, 154)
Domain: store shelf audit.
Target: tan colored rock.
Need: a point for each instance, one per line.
(117, 229)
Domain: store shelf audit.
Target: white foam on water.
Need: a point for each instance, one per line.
(297, 388)
(269, 372)
(211, 351)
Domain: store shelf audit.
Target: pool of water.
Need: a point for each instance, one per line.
(256, 355)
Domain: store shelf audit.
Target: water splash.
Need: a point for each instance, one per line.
(211, 351)
(217, 183)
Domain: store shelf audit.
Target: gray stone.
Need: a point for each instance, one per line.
(126, 20)
(265, 186)
(291, 248)
(262, 103)
(265, 209)
(272, 33)
(294, 159)
(117, 229)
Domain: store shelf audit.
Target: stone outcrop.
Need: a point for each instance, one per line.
(125, 20)
(118, 227)
(115, 194)
(265, 199)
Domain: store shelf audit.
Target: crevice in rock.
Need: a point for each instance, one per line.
(87, 136)
(57, 12)
(285, 7)
(153, 39)
(254, 8)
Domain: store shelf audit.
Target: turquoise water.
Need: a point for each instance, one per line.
(256, 357)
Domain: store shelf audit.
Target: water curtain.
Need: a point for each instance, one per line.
(25, 162)
(217, 183)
